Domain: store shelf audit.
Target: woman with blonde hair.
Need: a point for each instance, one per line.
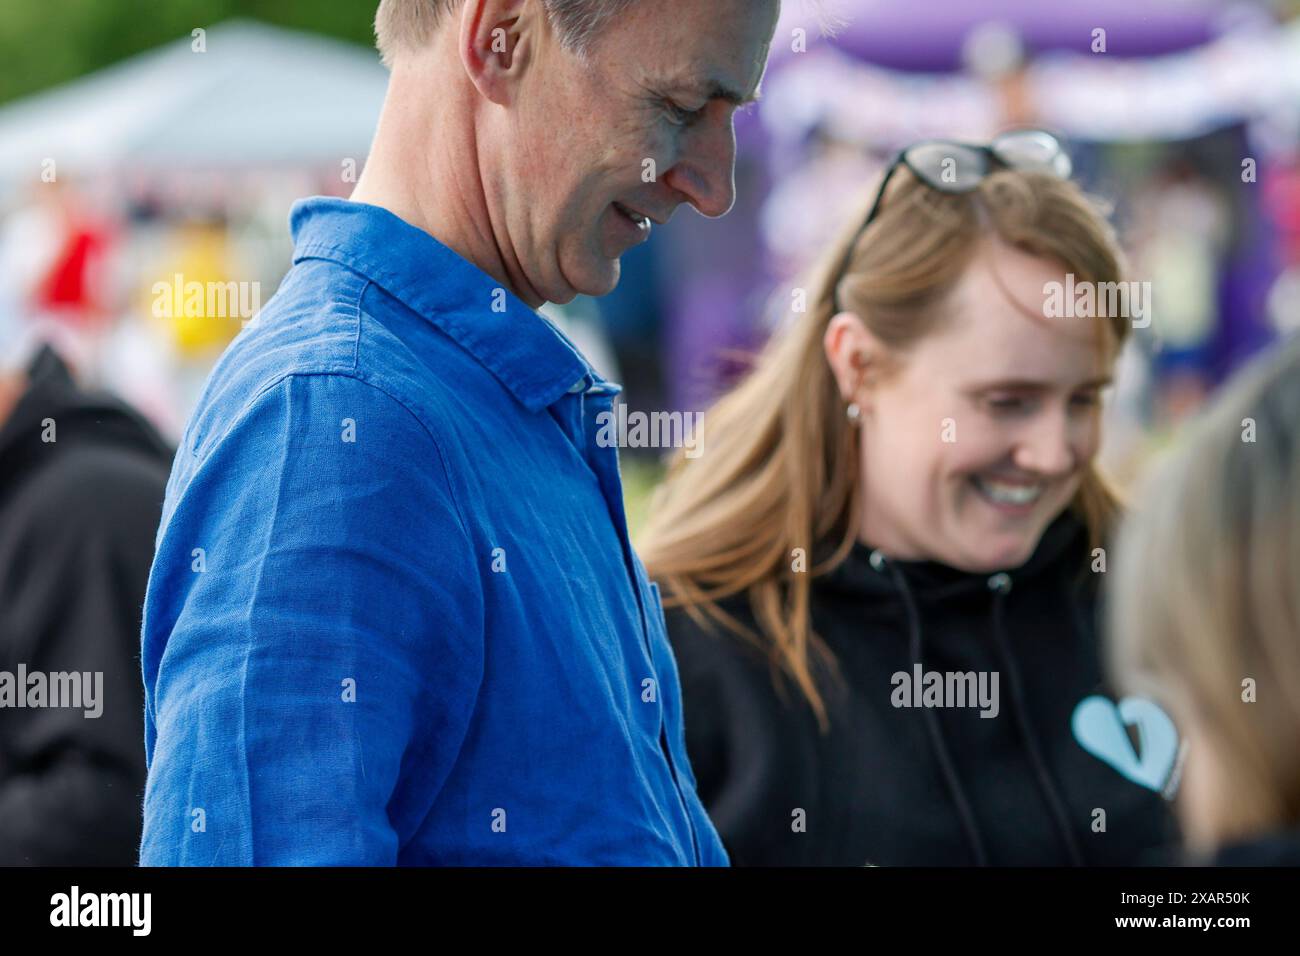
(882, 570)
(1206, 615)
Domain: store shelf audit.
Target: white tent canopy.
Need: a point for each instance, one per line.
(256, 97)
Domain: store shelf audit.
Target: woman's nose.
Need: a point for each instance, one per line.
(1047, 448)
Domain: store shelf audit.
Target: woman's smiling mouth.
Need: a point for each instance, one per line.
(1011, 497)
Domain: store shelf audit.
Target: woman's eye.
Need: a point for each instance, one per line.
(1006, 403)
(1085, 400)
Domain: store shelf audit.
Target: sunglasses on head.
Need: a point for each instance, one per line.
(952, 167)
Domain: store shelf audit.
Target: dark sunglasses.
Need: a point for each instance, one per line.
(952, 167)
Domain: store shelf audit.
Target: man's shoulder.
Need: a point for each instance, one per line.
(327, 335)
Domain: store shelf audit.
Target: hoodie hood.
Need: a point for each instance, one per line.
(860, 574)
(951, 731)
(80, 416)
(920, 587)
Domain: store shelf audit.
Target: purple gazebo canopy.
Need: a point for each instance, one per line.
(929, 37)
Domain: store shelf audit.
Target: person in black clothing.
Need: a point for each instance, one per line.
(82, 478)
(883, 572)
(1206, 615)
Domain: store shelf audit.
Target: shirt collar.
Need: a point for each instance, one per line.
(525, 352)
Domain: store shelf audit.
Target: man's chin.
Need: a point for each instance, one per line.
(596, 282)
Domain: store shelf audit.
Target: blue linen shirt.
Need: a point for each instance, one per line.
(394, 616)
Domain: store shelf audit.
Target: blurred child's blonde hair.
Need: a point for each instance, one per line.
(1207, 597)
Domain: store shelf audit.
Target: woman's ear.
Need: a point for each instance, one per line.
(853, 354)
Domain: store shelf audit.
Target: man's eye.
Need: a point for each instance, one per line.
(679, 116)
(1085, 400)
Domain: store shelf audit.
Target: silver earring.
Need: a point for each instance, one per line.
(854, 411)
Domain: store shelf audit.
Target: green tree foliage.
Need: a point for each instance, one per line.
(47, 42)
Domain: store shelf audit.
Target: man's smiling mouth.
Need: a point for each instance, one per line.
(639, 220)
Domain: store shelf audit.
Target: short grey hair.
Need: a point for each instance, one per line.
(402, 25)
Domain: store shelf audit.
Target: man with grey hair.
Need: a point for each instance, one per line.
(394, 616)
(406, 25)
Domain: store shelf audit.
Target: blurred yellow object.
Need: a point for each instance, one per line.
(195, 299)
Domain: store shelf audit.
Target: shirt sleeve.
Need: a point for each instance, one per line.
(313, 638)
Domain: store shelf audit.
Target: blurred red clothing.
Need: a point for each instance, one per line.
(74, 286)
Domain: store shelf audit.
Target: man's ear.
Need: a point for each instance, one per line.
(497, 38)
(854, 355)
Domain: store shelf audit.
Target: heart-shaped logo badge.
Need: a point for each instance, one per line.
(1100, 728)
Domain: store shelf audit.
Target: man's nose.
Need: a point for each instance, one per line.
(706, 171)
(1047, 447)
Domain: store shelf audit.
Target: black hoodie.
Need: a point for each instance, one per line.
(1279, 848)
(915, 785)
(78, 516)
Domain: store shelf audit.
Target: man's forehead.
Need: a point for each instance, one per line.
(705, 49)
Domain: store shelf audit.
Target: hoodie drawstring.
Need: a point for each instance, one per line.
(1000, 584)
(955, 789)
